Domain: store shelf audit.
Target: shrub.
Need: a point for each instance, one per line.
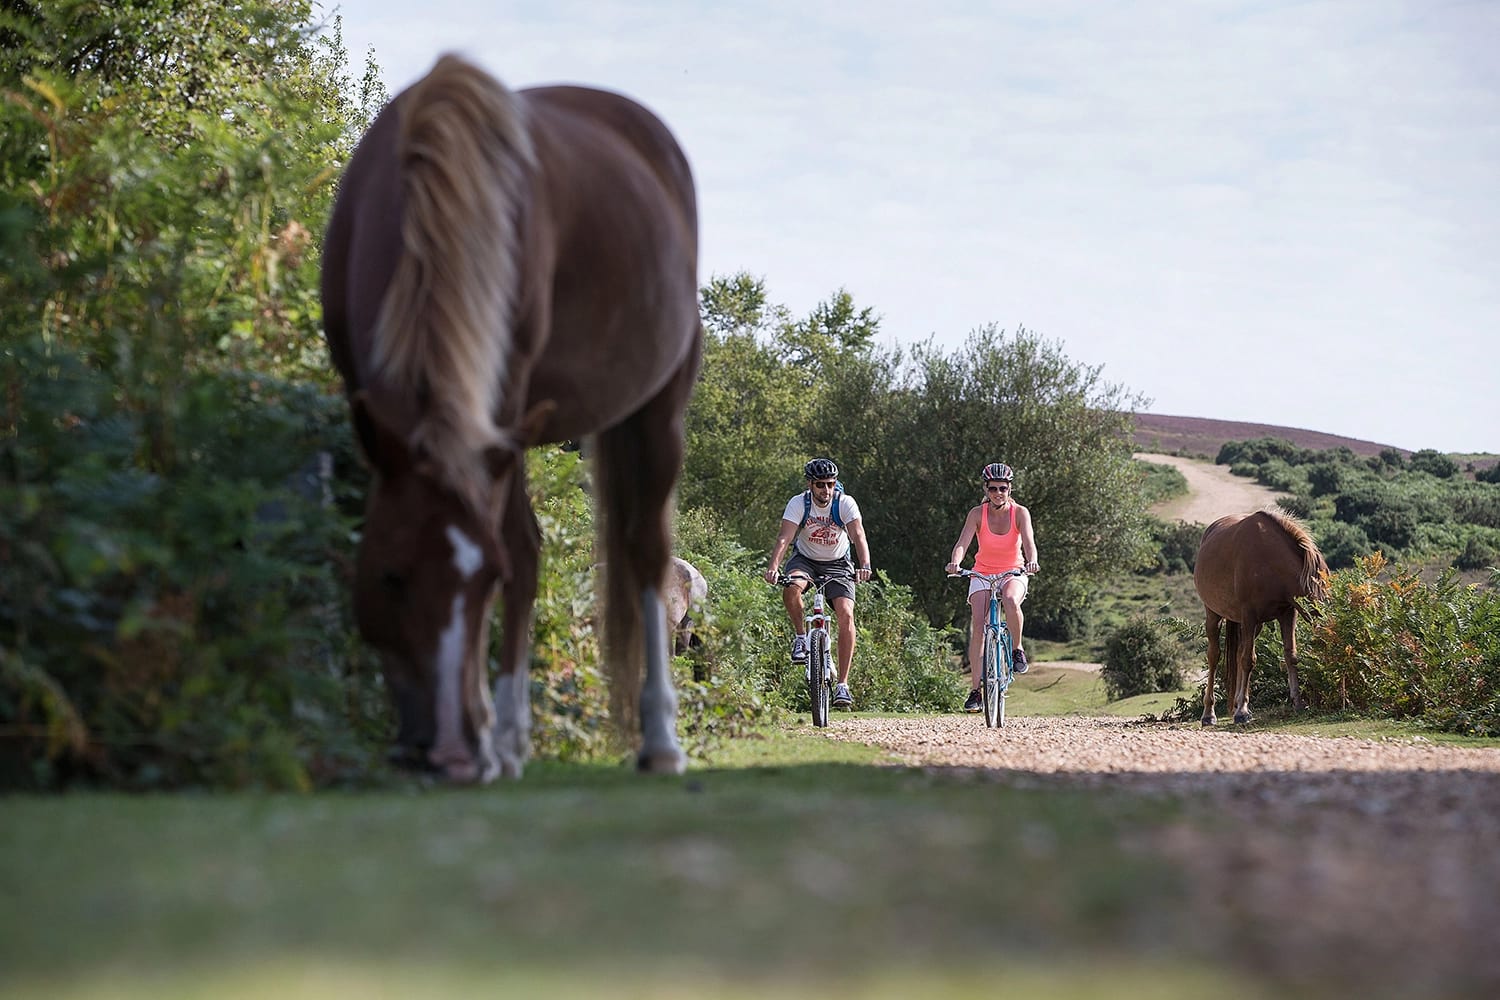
(1141, 657)
(1390, 644)
(1341, 543)
(1476, 555)
(171, 608)
(1177, 546)
(1297, 506)
(1434, 463)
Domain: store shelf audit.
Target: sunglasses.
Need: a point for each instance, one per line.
(997, 489)
(825, 485)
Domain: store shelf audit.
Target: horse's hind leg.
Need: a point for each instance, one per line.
(1211, 625)
(639, 461)
(1288, 622)
(522, 538)
(1244, 659)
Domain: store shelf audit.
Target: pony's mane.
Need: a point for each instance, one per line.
(444, 327)
(1314, 569)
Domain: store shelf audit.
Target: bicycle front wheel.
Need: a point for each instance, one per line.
(817, 676)
(1003, 672)
(994, 695)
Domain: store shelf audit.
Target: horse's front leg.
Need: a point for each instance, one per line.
(659, 748)
(522, 538)
(1288, 623)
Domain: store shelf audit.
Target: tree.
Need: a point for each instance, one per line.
(915, 431)
(742, 456)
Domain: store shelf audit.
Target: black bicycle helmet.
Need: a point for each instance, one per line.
(821, 468)
(998, 470)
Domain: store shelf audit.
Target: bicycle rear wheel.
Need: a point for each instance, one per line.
(817, 676)
(994, 695)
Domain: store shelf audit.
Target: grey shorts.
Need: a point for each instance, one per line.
(820, 569)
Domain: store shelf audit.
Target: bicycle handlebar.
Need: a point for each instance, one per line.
(991, 577)
(782, 580)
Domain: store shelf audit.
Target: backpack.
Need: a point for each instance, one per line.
(834, 504)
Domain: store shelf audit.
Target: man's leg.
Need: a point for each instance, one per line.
(791, 597)
(843, 610)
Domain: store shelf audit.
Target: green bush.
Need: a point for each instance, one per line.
(1341, 543)
(1389, 644)
(1141, 657)
(1176, 545)
(172, 616)
(1476, 555)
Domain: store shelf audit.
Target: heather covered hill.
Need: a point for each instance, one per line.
(1161, 433)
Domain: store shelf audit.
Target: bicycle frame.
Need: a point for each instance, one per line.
(819, 644)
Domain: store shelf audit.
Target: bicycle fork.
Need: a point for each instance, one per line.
(818, 622)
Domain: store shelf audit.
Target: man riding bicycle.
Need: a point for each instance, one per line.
(820, 524)
(1003, 528)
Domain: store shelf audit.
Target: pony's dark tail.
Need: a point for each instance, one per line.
(444, 331)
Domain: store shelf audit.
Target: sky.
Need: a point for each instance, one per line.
(1279, 212)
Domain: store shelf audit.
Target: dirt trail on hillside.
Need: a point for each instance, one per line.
(1213, 491)
(1372, 863)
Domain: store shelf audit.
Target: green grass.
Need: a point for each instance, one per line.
(1045, 690)
(790, 866)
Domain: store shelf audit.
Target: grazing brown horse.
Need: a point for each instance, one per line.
(504, 269)
(1251, 569)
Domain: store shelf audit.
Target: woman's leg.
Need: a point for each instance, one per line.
(980, 604)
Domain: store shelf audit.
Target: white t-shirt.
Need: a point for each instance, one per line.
(820, 538)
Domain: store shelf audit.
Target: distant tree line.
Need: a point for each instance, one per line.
(1416, 508)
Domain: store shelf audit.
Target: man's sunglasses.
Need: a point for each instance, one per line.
(829, 484)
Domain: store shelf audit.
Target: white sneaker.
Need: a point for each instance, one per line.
(799, 648)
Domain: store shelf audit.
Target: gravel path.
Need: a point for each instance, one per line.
(1376, 861)
(1213, 491)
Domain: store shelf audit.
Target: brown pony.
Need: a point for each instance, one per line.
(504, 269)
(1251, 568)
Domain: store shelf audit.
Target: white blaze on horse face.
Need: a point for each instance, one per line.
(449, 746)
(467, 557)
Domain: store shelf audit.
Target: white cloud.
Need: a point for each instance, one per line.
(1164, 187)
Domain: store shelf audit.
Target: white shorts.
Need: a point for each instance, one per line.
(1016, 585)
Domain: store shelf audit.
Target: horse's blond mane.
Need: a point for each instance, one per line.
(444, 327)
(1314, 569)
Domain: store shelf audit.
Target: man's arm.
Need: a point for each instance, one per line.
(788, 532)
(856, 530)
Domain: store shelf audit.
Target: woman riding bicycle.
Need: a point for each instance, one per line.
(1003, 528)
(820, 524)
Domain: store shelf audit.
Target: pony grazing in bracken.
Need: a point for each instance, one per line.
(507, 268)
(1251, 569)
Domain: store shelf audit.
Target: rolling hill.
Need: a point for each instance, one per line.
(1156, 432)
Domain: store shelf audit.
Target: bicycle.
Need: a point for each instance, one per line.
(819, 637)
(998, 668)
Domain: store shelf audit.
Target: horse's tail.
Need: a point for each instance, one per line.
(1314, 578)
(445, 326)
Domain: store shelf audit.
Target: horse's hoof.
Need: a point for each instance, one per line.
(663, 762)
(1209, 720)
(1240, 718)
